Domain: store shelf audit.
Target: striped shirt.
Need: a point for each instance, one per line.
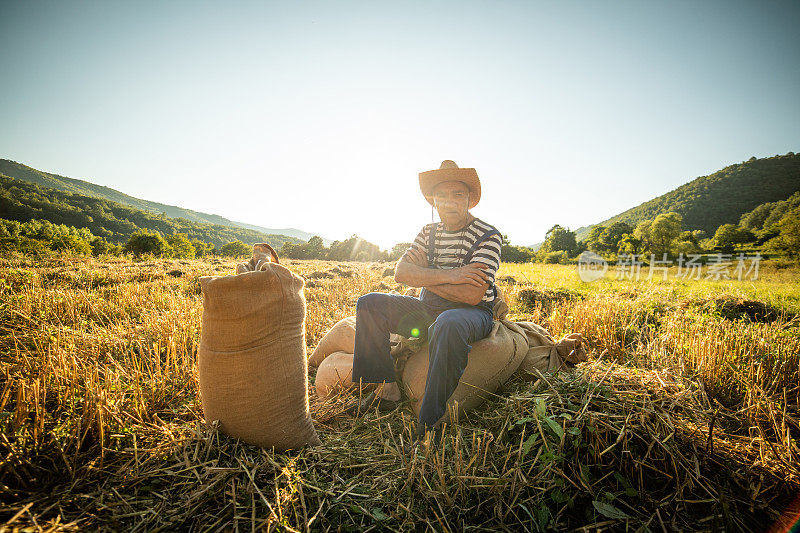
(451, 248)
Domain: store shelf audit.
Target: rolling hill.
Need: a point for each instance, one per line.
(22, 172)
(723, 197)
(24, 201)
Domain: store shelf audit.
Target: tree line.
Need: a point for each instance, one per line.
(357, 249)
(38, 219)
(38, 237)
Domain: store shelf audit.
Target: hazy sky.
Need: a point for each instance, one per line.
(320, 115)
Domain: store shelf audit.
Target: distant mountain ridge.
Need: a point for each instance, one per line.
(22, 172)
(707, 202)
(23, 201)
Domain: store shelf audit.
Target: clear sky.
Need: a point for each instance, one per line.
(320, 115)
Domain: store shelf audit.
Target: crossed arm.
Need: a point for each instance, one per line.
(465, 284)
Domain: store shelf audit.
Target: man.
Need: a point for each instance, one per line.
(455, 262)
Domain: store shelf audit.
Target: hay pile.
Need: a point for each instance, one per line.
(545, 299)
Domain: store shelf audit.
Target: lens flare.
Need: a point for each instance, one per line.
(414, 332)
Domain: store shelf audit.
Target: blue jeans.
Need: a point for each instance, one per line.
(450, 328)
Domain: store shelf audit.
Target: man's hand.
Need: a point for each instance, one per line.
(471, 274)
(412, 269)
(415, 256)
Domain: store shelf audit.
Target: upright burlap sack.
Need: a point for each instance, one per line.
(252, 358)
(490, 363)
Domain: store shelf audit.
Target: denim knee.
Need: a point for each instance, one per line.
(447, 324)
(369, 300)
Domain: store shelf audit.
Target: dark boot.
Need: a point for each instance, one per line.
(425, 436)
(369, 402)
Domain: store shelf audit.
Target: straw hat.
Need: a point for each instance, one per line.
(449, 171)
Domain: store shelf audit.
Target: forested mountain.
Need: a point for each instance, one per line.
(24, 201)
(54, 181)
(707, 202)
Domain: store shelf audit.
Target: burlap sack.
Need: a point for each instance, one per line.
(334, 374)
(490, 363)
(252, 359)
(340, 338)
(545, 355)
(572, 349)
(264, 252)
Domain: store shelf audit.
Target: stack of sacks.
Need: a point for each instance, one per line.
(512, 348)
(252, 356)
(333, 358)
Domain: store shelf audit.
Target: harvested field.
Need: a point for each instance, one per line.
(685, 417)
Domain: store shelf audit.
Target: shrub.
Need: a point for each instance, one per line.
(72, 244)
(516, 254)
(25, 245)
(146, 242)
(560, 257)
(235, 249)
(182, 248)
(100, 246)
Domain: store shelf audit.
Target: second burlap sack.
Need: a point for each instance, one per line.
(334, 373)
(252, 359)
(340, 338)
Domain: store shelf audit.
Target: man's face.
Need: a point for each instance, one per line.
(451, 199)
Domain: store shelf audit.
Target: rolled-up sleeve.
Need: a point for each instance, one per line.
(488, 253)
